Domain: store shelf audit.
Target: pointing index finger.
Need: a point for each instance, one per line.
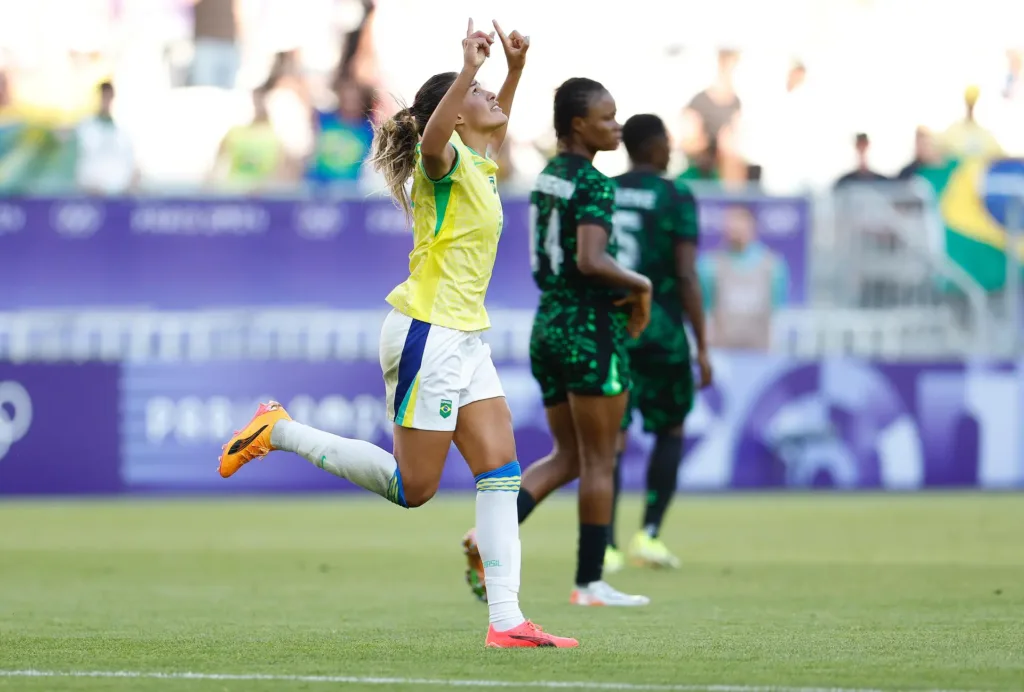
(469, 29)
(501, 34)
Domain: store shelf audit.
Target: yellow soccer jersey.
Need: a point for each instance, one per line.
(456, 224)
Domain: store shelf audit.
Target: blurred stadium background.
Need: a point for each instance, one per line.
(179, 258)
(213, 238)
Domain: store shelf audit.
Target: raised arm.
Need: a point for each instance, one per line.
(515, 45)
(438, 154)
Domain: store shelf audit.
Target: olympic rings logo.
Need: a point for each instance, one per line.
(15, 415)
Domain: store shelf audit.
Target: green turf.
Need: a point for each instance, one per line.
(893, 592)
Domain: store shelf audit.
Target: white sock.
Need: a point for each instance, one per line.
(365, 464)
(497, 538)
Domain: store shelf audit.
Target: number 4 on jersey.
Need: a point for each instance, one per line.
(552, 243)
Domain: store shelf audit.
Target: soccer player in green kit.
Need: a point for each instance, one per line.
(590, 307)
(656, 231)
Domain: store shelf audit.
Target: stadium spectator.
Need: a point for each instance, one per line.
(733, 169)
(251, 157)
(703, 166)
(290, 102)
(923, 151)
(217, 53)
(927, 156)
(5, 95)
(796, 77)
(1008, 111)
(967, 138)
(786, 132)
(357, 60)
(105, 156)
(712, 109)
(863, 173)
(743, 284)
(1013, 89)
(342, 136)
(10, 124)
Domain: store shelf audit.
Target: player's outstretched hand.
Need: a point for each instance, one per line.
(476, 47)
(515, 45)
(640, 316)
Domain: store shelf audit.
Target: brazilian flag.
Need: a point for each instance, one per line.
(974, 198)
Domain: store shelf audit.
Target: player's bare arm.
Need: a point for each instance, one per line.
(438, 153)
(693, 303)
(593, 260)
(515, 46)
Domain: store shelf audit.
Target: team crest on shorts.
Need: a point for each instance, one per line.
(446, 408)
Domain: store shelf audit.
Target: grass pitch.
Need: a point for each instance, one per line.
(885, 592)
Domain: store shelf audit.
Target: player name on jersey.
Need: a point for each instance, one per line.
(554, 186)
(636, 199)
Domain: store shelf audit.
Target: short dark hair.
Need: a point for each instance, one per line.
(106, 87)
(572, 100)
(639, 131)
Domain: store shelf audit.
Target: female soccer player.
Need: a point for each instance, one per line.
(441, 384)
(578, 346)
(658, 220)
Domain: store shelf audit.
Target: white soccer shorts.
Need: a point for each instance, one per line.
(431, 371)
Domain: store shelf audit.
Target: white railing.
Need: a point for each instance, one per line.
(114, 335)
(878, 250)
(304, 334)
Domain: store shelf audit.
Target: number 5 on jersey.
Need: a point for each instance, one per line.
(627, 225)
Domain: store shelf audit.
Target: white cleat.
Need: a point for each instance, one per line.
(600, 593)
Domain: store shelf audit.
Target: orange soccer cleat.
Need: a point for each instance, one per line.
(527, 635)
(474, 566)
(252, 441)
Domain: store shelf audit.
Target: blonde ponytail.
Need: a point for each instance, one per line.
(394, 154)
(395, 140)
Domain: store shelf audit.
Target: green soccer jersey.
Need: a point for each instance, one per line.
(569, 192)
(653, 215)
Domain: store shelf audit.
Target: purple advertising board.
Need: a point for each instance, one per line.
(59, 428)
(172, 254)
(776, 422)
(768, 422)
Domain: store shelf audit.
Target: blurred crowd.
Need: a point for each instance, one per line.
(266, 96)
(124, 96)
(713, 127)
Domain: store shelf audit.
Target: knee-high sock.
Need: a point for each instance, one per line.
(525, 504)
(365, 464)
(662, 476)
(497, 537)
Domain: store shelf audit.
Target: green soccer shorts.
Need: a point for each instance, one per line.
(663, 392)
(579, 349)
